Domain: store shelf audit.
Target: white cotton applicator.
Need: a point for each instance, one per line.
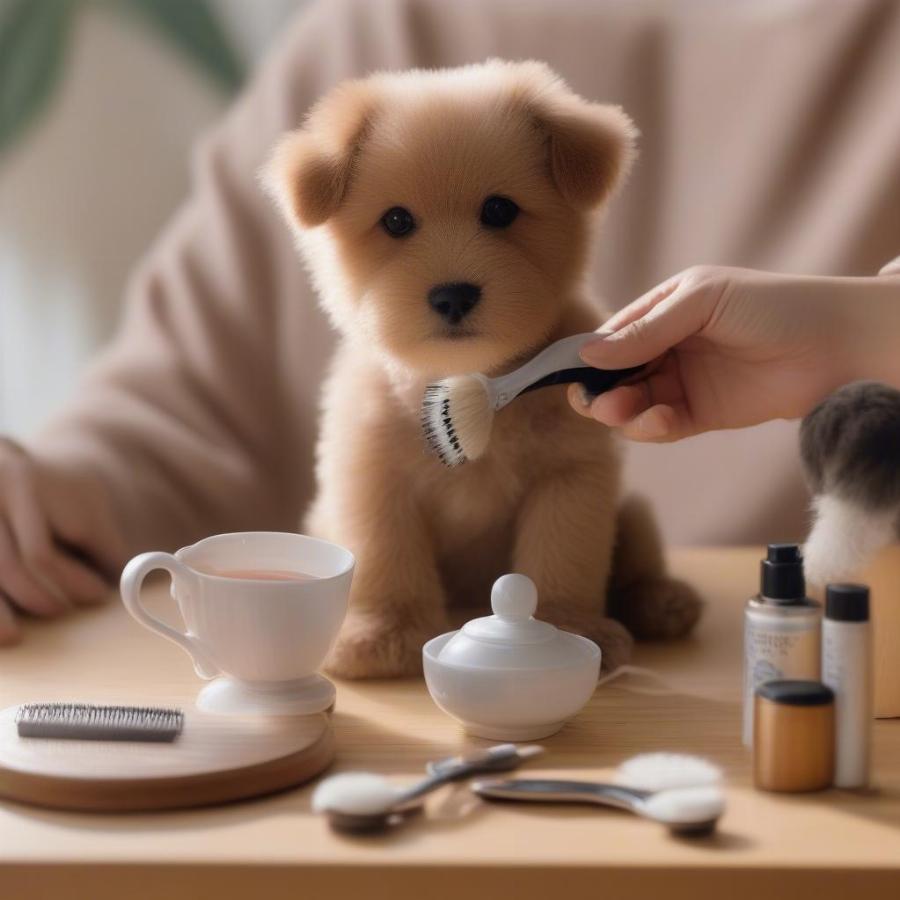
(355, 794)
(665, 771)
(686, 810)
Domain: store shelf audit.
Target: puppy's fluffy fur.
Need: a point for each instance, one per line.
(544, 500)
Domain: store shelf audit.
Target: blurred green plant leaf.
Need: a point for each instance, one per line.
(196, 31)
(33, 38)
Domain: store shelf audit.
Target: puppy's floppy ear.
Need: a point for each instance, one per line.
(591, 147)
(310, 168)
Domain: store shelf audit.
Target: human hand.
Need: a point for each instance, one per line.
(729, 348)
(59, 548)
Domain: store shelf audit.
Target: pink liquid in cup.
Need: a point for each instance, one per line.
(262, 574)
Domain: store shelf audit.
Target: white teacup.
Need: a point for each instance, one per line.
(261, 639)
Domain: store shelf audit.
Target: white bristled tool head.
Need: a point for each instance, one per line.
(664, 771)
(457, 416)
(686, 790)
(354, 793)
(682, 808)
(458, 412)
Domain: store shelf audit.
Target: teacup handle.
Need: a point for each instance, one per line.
(130, 585)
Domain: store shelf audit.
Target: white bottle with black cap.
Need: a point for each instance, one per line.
(847, 670)
(782, 628)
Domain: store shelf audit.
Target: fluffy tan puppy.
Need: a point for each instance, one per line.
(445, 217)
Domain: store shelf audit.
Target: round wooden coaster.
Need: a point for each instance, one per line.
(214, 760)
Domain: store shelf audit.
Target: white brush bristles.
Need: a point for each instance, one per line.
(354, 793)
(666, 771)
(686, 806)
(844, 537)
(685, 790)
(457, 416)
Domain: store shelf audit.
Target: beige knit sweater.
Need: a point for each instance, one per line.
(771, 138)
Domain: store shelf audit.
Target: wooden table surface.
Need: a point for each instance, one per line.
(836, 843)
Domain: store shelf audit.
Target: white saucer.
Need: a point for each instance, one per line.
(227, 696)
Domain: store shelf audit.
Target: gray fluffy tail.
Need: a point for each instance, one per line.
(850, 445)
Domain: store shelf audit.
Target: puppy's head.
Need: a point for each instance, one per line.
(445, 214)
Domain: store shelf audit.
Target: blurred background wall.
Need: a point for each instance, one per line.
(87, 184)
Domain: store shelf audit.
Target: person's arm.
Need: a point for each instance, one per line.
(730, 348)
(201, 415)
(184, 418)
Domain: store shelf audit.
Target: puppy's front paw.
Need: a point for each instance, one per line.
(370, 646)
(611, 636)
(658, 608)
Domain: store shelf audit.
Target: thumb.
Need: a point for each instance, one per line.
(668, 323)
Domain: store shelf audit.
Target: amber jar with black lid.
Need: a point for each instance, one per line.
(793, 736)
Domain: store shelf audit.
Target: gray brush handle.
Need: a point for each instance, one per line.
(545, 790)
(504, 756)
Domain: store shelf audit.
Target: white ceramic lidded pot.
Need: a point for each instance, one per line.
(510, 677)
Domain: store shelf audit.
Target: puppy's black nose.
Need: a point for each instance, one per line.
(454, 301)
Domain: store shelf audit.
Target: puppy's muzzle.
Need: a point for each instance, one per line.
(453, 302)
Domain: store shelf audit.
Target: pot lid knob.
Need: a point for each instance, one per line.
(514, 598)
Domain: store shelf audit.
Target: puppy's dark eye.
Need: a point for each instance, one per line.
(398, 221)
(498, 212)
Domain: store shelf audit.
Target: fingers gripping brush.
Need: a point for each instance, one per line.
(458, 412)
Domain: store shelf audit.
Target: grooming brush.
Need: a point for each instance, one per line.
(683, 793)
(365, 802)
(457, 413)
(86, 722)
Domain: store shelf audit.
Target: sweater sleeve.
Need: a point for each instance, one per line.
(200, 416)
